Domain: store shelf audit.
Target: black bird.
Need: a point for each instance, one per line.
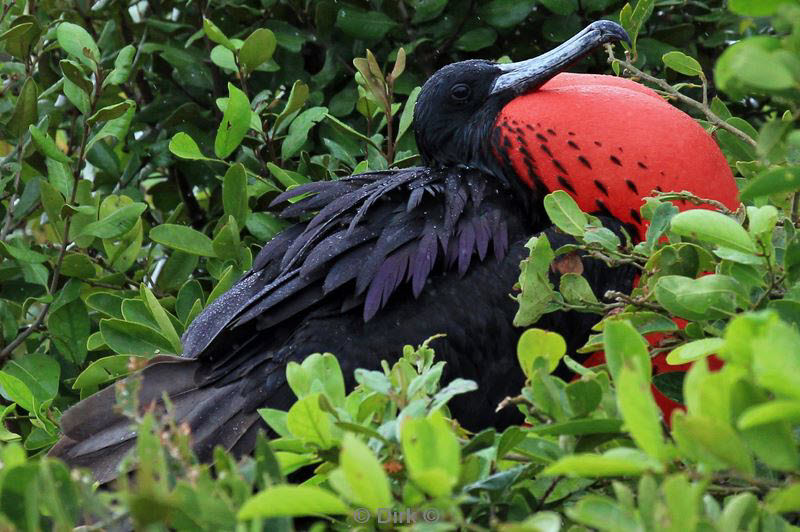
(386, 259)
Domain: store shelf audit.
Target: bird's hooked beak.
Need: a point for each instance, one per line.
(524, 76)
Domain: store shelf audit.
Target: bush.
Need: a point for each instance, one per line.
(142, 144)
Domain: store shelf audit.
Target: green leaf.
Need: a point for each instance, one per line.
(234, 194)
(122, 66)
(697, 349)
(292, 501)
(74, 73)
(407, 115)
(624, 346)
(25, 109)
(505, 13)
(712, 442)
(710, 297)
(770, 412)
(101, 372)
(307, 421)
(110, 112)
(31, 380)
(752, 63)
(755, 8)
(16, 250)
(117, 223)
(116, 128)
(264, 225)
(785, 499)
(69, 327)
(257, 49)
(216, 35)
(640, 412)
(128, 338)
(534, 282)
(565, 213)
(235, 123)
(680, 62)
(160, 315)
(226, 280)
(184, 146)
(538, 343)
(778, 180)
(77, 42)
(46, 145)
(432, 454)
(714, 228)
(632, 19)
(299, 128)
(297, 97)
(78, 265)
(476, 39)
(620, 461)
(603, 513)
(341, 126)
(576, 289)
(361, 24)
(360, 478)
(183, 238)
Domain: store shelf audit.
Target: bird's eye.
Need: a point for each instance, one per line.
(460, 92)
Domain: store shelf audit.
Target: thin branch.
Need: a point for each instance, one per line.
(713, 119)
(8, 222)
(694, 200)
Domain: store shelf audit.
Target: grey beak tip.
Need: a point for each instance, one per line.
(611, 30)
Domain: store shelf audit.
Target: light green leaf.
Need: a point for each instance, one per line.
(235, 123)
(128, 338)
(160, 315)
(680, 62)
(297, 97)
(77, 42)
(360, 478)
(183, 238)
(624, 346)
(640, 412)
(47, 146)
(565, 213)
(778, 180)
(691, 351)
(432, 454)
(714, 228)
(307, 421)
(292, 501)
(216, 35)
(111, 112)
(117, 223)
(538, 343)
(620, 461)
(257, 49)
(184, 146)
(770, 412)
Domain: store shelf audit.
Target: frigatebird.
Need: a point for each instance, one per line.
(390, 258)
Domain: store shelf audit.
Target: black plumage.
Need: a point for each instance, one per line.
(381, 260)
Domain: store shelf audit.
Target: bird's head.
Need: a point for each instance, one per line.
(457, 106)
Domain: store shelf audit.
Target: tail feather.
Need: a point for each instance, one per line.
(96, 436)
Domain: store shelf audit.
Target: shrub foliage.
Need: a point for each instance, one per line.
(140, 145)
